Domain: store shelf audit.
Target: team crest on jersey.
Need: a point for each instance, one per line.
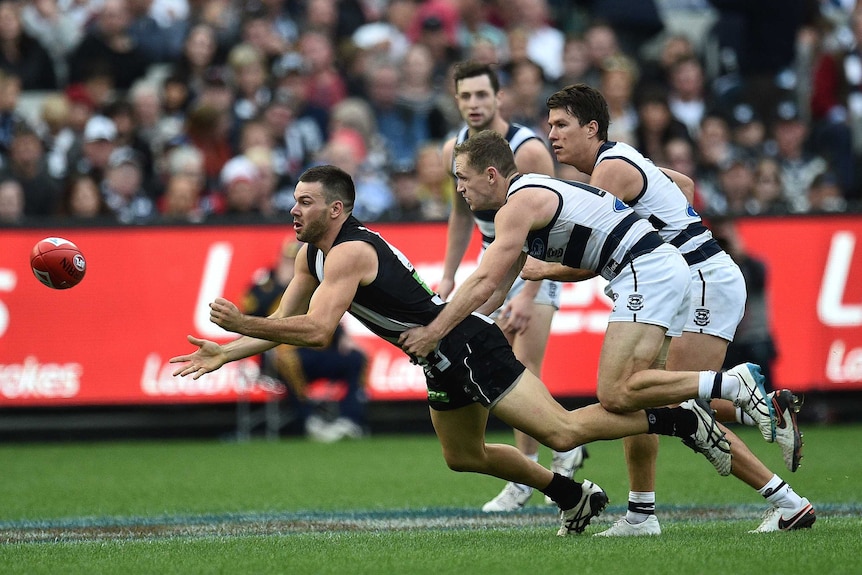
(701, 316)
(619, 205)
(537, 249)
(691, 212)
(636, 302)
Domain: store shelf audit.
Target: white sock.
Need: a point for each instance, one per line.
(521, 486)
(641, 506)
(780, 494)
(744, 418)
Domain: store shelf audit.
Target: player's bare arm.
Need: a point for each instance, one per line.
(458, 233)
(346, 267)
(537, 270)
(683, 182)
(491, 277)
(620, 178)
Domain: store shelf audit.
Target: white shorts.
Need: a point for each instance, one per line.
(654, 288)
(717, 297)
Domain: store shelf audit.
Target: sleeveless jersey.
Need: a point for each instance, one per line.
(663, 204)
(397, 299)
(592, 229)
(516, 136)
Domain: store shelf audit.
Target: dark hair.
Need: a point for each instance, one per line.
(584, 103)
(473, 69)
(337, 184)
(488, 148)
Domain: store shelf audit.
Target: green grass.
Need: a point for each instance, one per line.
(246, 500)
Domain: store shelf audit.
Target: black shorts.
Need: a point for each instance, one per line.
(474, 364)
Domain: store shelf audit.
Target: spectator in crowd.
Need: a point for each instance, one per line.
(387, 39)
(82, 200)
(123, 115)
(207, 128)
(618, 80)
(250, 80)
(602, 43)
(799, 167)
(689, 99)
(437, 33)
(767, 191)
(23, 54)
(400, 129)
(98, 141)
(108, 44)
(294, 139)
(748, 131)
(124, 190)
(273, 198)
(576, 61)
(753, 341)
(436, 187)
(408, 205)
(674, 48)
(57, 29)
(420, 96)
(181, 201)
(474, 27)
(296, 367)
(836, 106)
(735, 186)
(159, 40)
(10, 119)
(679, 155)
(656, 126)
(544, 41)
(279, 32)
(240, 181)
(57, 134)
(525, 95)
(188, 161)
(714, 149)
(148, 116)
(825, 194)
(11, 202)
(199, 54)
(28, 167)
(323, 82)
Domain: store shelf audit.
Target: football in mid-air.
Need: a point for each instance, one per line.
(58, 263)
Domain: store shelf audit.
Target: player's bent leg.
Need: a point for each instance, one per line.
(627, 348)
(461, 433)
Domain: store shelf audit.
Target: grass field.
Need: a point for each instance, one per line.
(388, 504)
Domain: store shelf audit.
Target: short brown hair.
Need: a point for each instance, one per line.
(488, 148)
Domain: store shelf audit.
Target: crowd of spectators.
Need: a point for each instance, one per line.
(142, 111)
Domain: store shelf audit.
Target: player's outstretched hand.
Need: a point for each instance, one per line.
(208, 357)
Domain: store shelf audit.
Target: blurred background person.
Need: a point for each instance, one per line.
(11, 202)
(97, 142)
(618, 80)
(123, 188)
(28, 166)
(656, 126)
(181, 201)
(21, 53)
(799, 165)
(57, 30)
(342, 360)
(82, 200)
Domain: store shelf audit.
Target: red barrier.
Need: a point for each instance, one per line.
(107, 341)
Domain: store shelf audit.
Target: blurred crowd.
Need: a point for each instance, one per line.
(188, 111)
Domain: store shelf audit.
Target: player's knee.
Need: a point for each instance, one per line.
(459, 461)
(614, 400)
(559, 440)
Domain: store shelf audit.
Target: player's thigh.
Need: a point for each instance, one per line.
(529, 407)
(696, 352)
(628, 347)
(530, 346)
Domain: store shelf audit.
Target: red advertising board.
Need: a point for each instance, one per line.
(108, 340)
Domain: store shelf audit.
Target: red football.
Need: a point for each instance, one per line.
(57, 263)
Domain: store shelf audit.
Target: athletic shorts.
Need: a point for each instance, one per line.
(717, 297)
(473, 364)
(654, 288)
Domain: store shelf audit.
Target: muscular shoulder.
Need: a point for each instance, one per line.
(618, 177)
(533, 157)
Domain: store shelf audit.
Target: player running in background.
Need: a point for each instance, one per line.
(526, 315)
(347, 268)
(578, 120)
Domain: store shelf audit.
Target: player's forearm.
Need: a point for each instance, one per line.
(468, 299)
(458, 237)
(298, 331)
(245, 346)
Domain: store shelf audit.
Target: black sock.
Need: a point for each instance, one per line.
(564, 491)
(676, 421)
(716, 386)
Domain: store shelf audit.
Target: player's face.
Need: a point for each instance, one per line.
(569, 140)
(477, 102)
(473, 185)
(310, 214)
